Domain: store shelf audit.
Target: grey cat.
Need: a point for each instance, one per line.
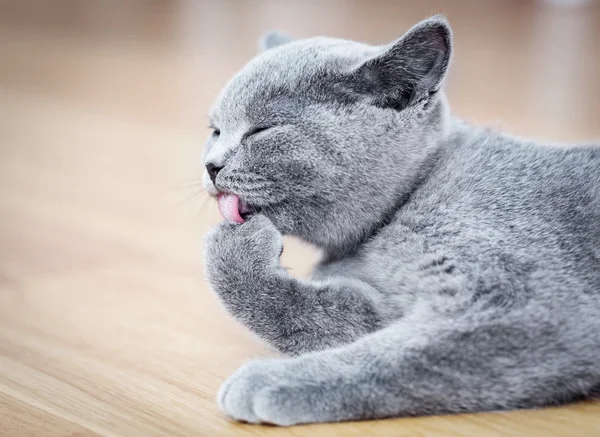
(460, 269)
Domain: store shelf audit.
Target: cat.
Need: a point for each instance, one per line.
(460, 268)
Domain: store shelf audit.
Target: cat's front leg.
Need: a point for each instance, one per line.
(426, 365)
(242, 263)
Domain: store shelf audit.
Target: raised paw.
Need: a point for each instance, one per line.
(242, 250)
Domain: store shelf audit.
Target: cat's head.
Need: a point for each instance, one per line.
(326, 136)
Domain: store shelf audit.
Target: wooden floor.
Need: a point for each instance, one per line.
(107, 325)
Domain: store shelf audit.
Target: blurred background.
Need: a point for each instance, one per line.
(103, 104)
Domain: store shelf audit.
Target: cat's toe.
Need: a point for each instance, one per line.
(236, 396)
(279, 406)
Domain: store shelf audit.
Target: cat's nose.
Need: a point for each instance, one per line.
(213, 170)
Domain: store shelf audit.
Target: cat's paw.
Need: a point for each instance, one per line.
(243, 249)
(270, 392)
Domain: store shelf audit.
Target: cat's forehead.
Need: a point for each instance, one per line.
(281, 77)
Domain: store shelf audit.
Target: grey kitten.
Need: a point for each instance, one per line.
(461, 267)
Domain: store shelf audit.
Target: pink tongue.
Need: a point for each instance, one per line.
(229, 206)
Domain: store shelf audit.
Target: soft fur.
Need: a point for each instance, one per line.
(461, 267)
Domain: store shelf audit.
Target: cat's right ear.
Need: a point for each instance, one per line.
(273, 39)
(410, 69)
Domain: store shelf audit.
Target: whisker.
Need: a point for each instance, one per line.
(260, 187)
(249, 177)
(197, 194)
(189, 184)
(203, 206)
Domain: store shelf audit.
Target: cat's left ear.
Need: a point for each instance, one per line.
(273, 39)
(408, 70)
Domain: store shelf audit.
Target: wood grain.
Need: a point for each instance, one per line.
(107, 325)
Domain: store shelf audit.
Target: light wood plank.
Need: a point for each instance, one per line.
(107, 325)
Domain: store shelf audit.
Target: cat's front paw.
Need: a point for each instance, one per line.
(270, 391)
(242, 251)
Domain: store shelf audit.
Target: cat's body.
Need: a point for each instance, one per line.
(527, 229)
(461, 267)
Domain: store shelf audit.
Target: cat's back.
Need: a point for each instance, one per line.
(492, 180)
(498, 217)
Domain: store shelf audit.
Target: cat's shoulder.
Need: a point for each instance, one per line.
(473, 146)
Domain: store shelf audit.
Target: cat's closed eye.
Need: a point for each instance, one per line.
(257, 130)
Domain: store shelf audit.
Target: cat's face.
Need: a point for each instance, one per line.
(321, 135)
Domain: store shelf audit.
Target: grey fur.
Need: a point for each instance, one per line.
(461, 267)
